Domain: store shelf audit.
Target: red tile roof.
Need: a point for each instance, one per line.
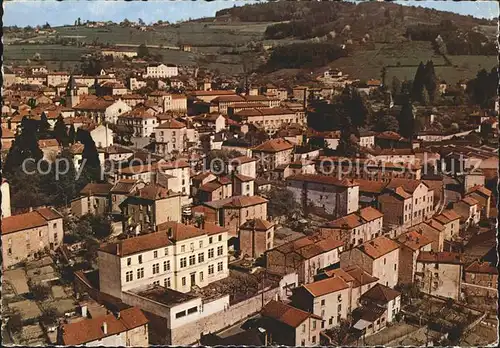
(29, 220)
(381, 293)
(323, 179)
(274, 145)
(378, 247)
(181, 231)
(171, 124)
(286, 314)
(96, 189)
(326, 286)
(482, 267)
(440, 257)
(414, 240)
(257, 224)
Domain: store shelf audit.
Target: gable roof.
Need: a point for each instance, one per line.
(171, 124)
(274, 145)
(29, 220)
(257, 224)
(413, 240)
(96, 189)
(440, 257)
(153, 192)
(180, 231)
(361, 277)
(89, 330)
(326, 286)
(286, 314)
(482, 267)
(124, 186)
(378, 247)
(381, 293)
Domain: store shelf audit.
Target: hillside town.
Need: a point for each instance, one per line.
(151, 203)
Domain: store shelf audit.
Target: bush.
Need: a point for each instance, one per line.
(49, 317)
(15, 323)
(39, 292)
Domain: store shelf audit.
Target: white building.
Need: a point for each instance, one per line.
(5, 199)
(173, 135)
(161, 70)
(178, 256)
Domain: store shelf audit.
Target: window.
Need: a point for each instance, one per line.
(183, 281)
(385, 261)
(330, 321)
(156, 282)
(54, 225)
(183, 262)
(220, 266)
(220, 249)
(322, 302)
(339, 307)
(155, 254)
(192, 260)
(201, 276)
(192, 310)
(211, 269)
(180, 314)
(191, 246)
(129, 276)
(140, 273)
(314, 337)
(395, 267)
(303, 328)
(339, 298)
(183, 248)
(303, 343)
(210, 240)
(129, 261)
(220, 237)
(166, 282)
(166, 265)
(156, 268)
(201, 244)
(139, 258)
(210, 253)
(201, 257)
(166, 251)
(436, 265)
(339, 317)
(314, 324)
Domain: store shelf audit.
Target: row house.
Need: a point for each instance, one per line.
(26, 234)
(93, 199)
(451, 222)
(177, 257)
(283, 171)
(434, 231)
(307, 256)
(481, 279)
(333, 196)
(410, 245)
(362, 168)
(356, 228)
(288, 325)
(101, 109)
(379, 257)
(149, 206)
(237, 107)
(483, 196)
(126, 328)
(439, 273)
(222, 103)
(57, 77)
(173, 135)
(358, 280)
(272, 153)
(233, 212)
(142, 120)
(469, 210)
(270, 119)
(217, 189)
(406, 202)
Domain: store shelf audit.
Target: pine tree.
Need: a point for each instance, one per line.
(63, 186)
(356, 107)
(71, 134)
(406, 120)
(424, 99)
(430, 80)
(91, 171)
(44, 127)
(418, 82)
(60, 132)
(396, 86)
(25, 146)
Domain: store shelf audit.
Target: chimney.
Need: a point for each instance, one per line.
(105, 328)
(84, 311)
(118, 249)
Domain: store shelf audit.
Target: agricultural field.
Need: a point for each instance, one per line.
(16, 53)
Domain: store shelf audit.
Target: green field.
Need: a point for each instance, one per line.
(47, 52)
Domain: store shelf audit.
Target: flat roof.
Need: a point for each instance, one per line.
(166, 296)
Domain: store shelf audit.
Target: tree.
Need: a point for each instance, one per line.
(100, 226)
(62, 186)
(91, 171)
(355, 106)
(340, 332)
(396, 86)
(430, 80)
(15, 323)
(142, 51)
(60, 132)
(385, 122)
(282, 203)
(79, 21)
(40, 292)
(44, 127)
(407, 120)
(418, 82)
(71, 134)
(424, 99)
(49, 317)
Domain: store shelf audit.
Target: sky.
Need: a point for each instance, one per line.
(56, 13)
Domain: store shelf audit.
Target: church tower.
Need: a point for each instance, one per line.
(72, 97)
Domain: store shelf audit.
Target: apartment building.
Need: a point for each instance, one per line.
(217, 189)
(243, 165)
(290, 326)
(379, 257)
(483, 196)
(481, 279)
(147, 207)
(439, 273)
(142, 120)
(120, 191)
(180, 172)
(94, 199)
(173, 135)
(327, 298)
(270, 119)
(410, 245)
(406, 202)
(469, 211)
(331, 195)
(451, 222)
(27, 234)
(356, 228)
(161, 70)
(306, 256)
(434, 231)
(178, 257)
(385, 298)
(101, 109)
(128, 328)
(272, 153)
